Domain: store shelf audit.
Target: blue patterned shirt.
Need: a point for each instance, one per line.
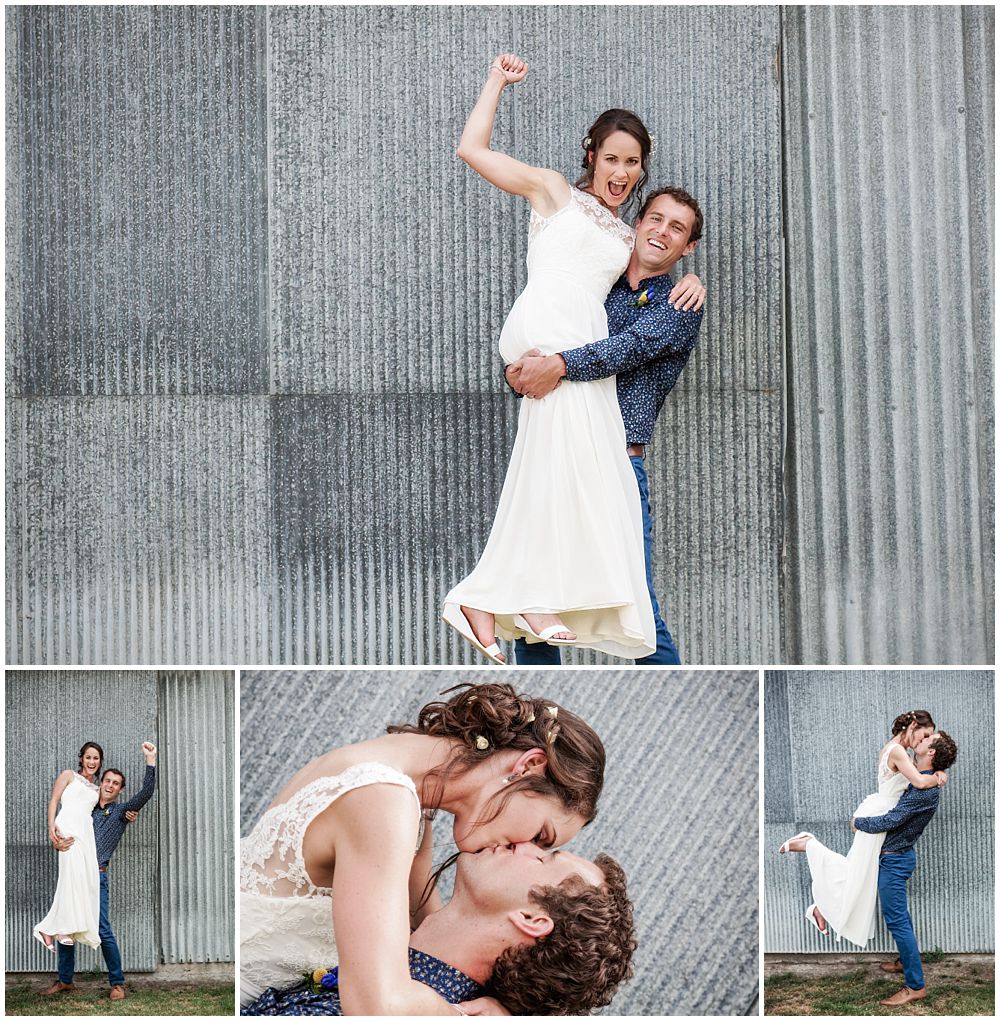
(903, 825)
(647, 348)
(110, 821)
(301, 1001)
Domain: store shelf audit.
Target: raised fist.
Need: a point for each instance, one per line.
(511, 66)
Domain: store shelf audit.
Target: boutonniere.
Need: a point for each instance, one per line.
(323, 978)
(646, 297)
(107, 811)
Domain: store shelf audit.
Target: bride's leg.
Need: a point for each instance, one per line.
(820, 920)
(799, 844)
(483, 626)
(540, 621)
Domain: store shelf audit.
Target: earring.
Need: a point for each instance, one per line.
(511, 778)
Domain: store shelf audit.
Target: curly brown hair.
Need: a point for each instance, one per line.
(487, 718)
(921, 717)
(579, 965)
(945, 751)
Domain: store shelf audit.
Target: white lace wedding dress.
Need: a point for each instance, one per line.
(286, 922)
(75, 910)
(845, 888)
(567, 537)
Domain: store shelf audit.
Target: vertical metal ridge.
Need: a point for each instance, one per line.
(815, 718)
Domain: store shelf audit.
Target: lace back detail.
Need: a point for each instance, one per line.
(592, 209)
(271, 862)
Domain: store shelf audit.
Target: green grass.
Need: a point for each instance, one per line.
(856, 993)
(91, 997)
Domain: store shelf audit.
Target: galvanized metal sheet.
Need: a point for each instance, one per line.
(823, 731)
(197, 914)
(137, 530)
(136, 205)
(49, 716)
(889, 194)
(670, 812)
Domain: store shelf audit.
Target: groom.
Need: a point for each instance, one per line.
(109, 820)
(649, 346)
(902, 827)
(545, 932)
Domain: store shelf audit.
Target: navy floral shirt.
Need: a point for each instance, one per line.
(301, 1001)
(903, 824)
(110, 821)
(647, 348)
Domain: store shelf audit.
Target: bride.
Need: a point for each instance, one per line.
(844, 888)
(564, 562)
(73, 917)
(338, 868)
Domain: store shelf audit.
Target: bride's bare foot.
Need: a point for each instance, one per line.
(820, 920)
(483, 627)
(540, 621)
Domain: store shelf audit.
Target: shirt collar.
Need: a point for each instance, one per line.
(644, 282)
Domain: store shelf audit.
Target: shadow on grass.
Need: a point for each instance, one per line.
(91, 998)
(857, 993)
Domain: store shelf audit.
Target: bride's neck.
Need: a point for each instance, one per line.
(427, 758)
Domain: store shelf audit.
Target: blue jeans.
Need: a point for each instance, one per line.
(109, 947)
(540, 654)
(893, 872)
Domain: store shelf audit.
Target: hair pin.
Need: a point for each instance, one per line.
(481, 743)
(552, 710)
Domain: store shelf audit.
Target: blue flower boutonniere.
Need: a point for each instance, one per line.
(646, 297)
(323, 978)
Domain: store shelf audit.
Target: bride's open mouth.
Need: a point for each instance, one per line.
(617, 189)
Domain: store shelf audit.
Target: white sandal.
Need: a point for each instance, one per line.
(454, 617)
(51, 947)
(811, 918)
(546, 635)
(798, 836)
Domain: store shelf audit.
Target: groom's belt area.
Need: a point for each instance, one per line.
(636, 450)
(102, 868)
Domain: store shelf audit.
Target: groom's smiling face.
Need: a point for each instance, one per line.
(661, 236)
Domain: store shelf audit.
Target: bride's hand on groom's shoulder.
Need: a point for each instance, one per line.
(688, 293)
(941, 777)
(511, 67)
(483, 1006)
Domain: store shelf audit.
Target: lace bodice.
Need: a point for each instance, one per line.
(79, 796)
(271, 862)
(582, 240)
(889, 782)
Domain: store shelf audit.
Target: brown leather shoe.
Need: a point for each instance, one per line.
(894, 967)
(117, 993)
(58, 987)
(905, 995)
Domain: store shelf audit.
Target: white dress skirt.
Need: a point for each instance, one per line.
(845, 887)
(567, 537)
(75, 910)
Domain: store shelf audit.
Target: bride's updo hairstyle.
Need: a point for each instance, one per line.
(597, 134)
(921, 717)
(488, 718)
(98, 749)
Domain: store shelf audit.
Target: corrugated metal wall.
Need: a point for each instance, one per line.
(889, 139)
(255, 411)
(823, 732)
(171, 876)
(691, 857)
(197, 913)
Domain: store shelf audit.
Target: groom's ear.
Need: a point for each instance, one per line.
(532, 762)
(691, 246)
(535, 924)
